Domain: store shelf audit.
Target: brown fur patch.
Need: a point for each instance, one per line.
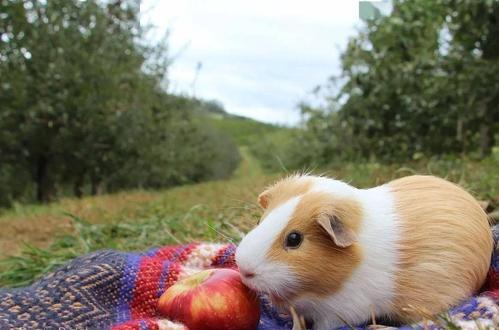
(283, 190)
(445, 248)
(321, 266)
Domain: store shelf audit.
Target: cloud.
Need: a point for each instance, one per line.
(259, 58)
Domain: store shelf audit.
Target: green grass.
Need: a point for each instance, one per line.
(249, 167)
(140, 234)
(35, 239)
(220, 211)
(481, 178)
(211, 211)
(243, 130)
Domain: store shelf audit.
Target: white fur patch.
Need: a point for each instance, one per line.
(251, 252)
(372, 284)
(336, 187)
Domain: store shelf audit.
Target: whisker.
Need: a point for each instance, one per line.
(236, 229)
(253, 204)
(237, 208)
(221, 234)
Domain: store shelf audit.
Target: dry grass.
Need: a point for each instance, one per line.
(211, 211)
(37, 225)
(232, 201)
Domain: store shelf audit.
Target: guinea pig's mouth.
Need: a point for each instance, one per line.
(256, 284)
(272, 279)
(279, 296)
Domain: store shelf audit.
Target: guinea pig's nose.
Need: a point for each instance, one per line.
(247, 274)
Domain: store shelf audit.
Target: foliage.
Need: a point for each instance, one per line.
(244, 131)
(82, 105)
(279, 150)
(421, 82)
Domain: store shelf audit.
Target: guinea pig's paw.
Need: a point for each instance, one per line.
(298, 320)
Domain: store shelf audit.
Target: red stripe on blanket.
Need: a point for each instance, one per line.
(491, 287)
(173, 275)
(178, 253)
(145, 299)
(167, 251)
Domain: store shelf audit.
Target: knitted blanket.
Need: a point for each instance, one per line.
(115, 290)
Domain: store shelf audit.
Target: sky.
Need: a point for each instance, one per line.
(260, 58)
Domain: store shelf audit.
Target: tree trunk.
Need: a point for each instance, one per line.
(486, 137)
(460, 134)
(486, 131)
(97, 186)
(78, 185)
(45, 188)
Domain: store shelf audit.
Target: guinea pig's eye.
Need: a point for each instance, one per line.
(293, 240)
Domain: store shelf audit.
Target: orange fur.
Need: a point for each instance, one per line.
(321, 265)
(282, 191)
(445, 248)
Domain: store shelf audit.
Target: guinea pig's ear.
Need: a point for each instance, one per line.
(341, 235)
(263, 199)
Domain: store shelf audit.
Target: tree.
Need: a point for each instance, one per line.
(421, 81)
(82, 103)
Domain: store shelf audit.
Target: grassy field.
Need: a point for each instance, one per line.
(242, 130)
(35, 239)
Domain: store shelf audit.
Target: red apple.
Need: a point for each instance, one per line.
(213, 299)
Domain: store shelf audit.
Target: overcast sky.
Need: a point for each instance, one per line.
(259, 58)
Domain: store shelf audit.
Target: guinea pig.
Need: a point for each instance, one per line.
(339, 254)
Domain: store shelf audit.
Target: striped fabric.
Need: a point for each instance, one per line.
(118, 291)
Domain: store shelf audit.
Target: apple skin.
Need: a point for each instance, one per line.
(213, 299)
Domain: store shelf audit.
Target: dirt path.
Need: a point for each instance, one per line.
(249, 166)
(37, 225)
